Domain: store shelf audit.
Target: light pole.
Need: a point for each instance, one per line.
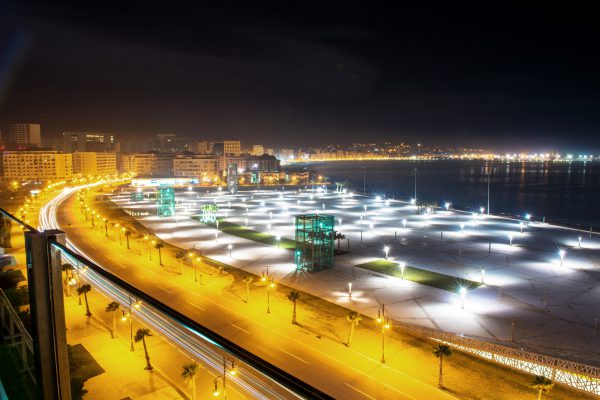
(462, 229)
(230, 247)
(415, 171)
(562, 253)
(510, 239)
(386, 249)
(268, 279)
(521, 226)
(488, 193)
(579, 241)
(278, 239)
(350, 290)
(463, 294)
(402, 268)
(232, 371)
(482, 274)
(384, 321)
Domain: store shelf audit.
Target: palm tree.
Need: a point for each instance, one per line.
(66, 268)
(159, 246)
(354, 319)
(140, 335)
(113, 307)
(189, 375)
(338, 236)
(84, 290)
(542, 384)
(293, 297)
(127, 234)
(440, 351)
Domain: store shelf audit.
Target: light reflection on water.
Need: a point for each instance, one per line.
(563, 192)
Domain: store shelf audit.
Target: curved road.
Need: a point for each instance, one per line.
(335, 369)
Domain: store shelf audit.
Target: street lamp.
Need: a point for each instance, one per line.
(384, 321)
(462, 229)
(230, 247)
(447, 206)
(246, 221)
(404, 223)
(371, 226)
(232, 371)
(350, 290)
(528, 216)
(481, 210)
(510, 239)
(268, 279)
(269, 227)
(562, 253)
(482, 274)
(402, 268)
(278, 239)
(463, 294)
(386, 249)
(579, 241)
(521, 225)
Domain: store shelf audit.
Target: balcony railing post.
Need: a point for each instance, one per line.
(48, 326)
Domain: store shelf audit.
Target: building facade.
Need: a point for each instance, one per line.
(93, 164)
(37, 165)
(205, 168)
(87, 141)
(257, 150)
(24, 136)
(232, 148)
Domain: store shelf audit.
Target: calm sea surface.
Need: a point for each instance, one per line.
(562, 192)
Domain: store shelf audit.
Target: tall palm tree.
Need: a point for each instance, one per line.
(189, 375)
(140, 335)
(84, 290)
(354, 319)
(159, 246)
(127, 234)
(67, 268)
(293, 297)
(113, 307)
(440, 351)
(542, 384)
(338, 237)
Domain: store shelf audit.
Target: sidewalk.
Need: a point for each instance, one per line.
(124, 375)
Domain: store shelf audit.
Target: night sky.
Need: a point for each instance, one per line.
(497, 75)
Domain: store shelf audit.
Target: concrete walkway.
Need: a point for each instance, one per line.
(553, 305)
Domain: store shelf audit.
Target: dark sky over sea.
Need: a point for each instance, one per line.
(506, 75)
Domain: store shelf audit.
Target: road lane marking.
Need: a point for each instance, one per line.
(194, 305)
(287, 352)
(400, 391)
(360, 391)
(241, 329)
(166, 290)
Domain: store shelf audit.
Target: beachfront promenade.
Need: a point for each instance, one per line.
(552, 302)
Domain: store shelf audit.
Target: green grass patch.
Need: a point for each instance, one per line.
(246, 233)
(434, 279)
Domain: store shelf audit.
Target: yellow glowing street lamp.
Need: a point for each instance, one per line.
(270, 283)
(228, 367)
(385, 322)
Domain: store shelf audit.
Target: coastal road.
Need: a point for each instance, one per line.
(342, 372)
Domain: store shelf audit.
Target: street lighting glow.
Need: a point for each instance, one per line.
(562, 253)
(402, 268)
(386, 249)
(447, 206)
(463, 294)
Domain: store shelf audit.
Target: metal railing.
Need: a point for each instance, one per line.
(577, 375)
(16, 335)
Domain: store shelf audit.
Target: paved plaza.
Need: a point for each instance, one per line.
(553, 302)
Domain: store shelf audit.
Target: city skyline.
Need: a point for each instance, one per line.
(517, 79)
